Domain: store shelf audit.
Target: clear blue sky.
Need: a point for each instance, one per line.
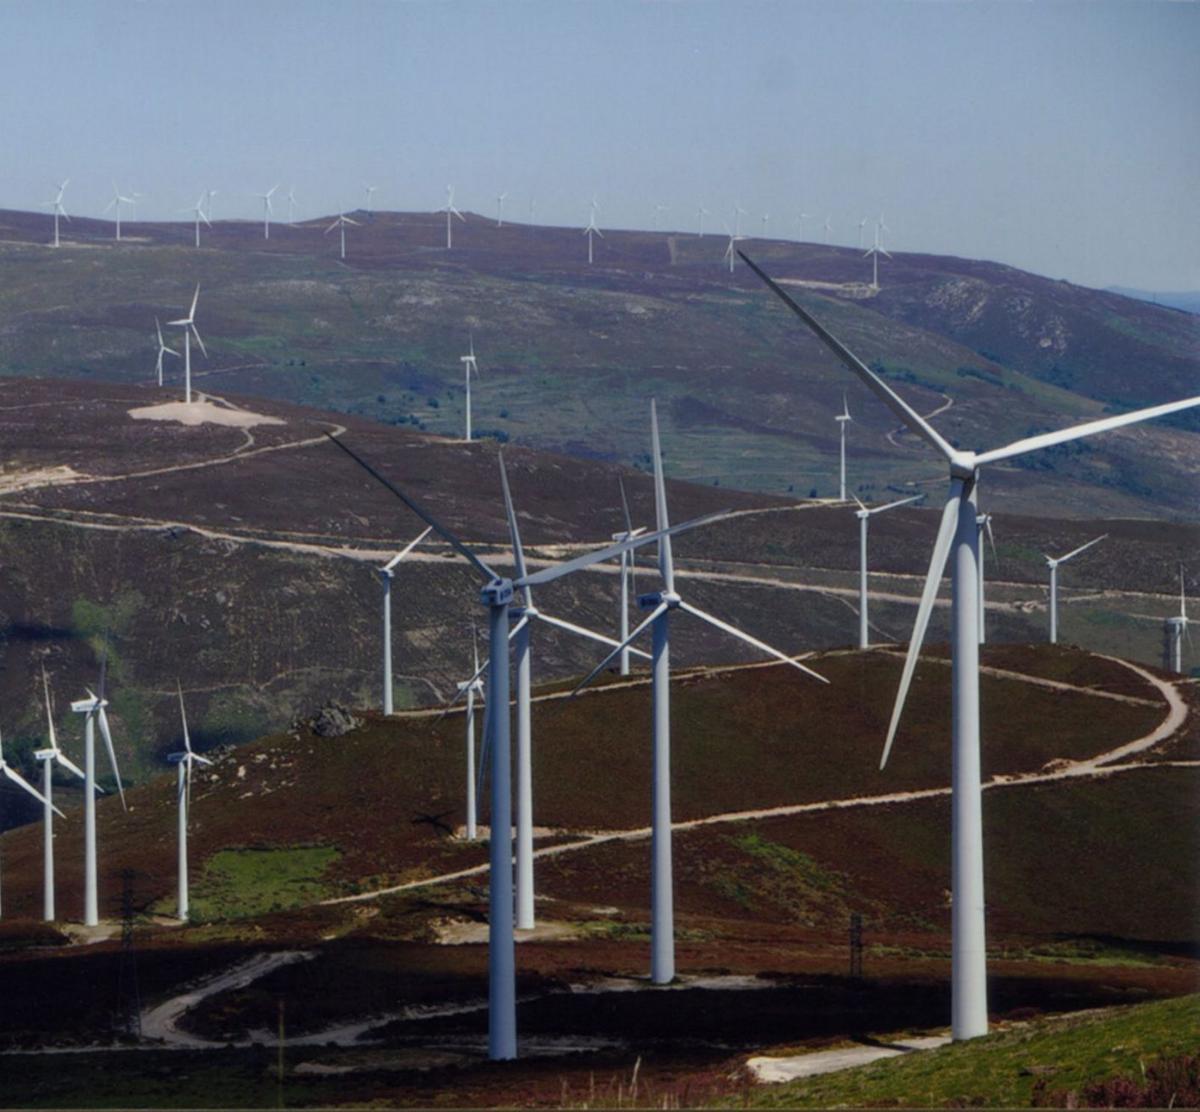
(1060, 137)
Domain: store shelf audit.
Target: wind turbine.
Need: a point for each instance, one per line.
(958, 533)
(497, 594)
(874, 252)
(861, 224)
(628, 581)
(188, 324)
(267, 210)
(864, 516)
(661, 604)
(57, 206)
(198, 210)
(984, 522)
(291, 200)
(800, 218)
(48, 756)
(340, 223)
(385, 574)
(592, 230)
(828, 228)
(842, 419)
(162, 350)
(701, 213)
(730, 255)
(500, 209)
(1052, 564)
(183, 797)
(766, 217)
(450, 211)
(738, 213)
(117, 201)
(93, 708)
(371, 190)
(470, 366)
(7, 771)
(1176, 628)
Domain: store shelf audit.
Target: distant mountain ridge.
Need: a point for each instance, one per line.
(1187, 300)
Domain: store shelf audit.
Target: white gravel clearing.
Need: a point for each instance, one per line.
(203, 412)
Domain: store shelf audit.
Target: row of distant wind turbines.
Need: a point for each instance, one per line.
(203, 215)
(958, 535)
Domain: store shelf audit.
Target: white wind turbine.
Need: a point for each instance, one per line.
(93, 709)
(958, 534)
(451, 212)
(800, 218)
(701, 213)
(874, 251)
(766, 217)
(591, 229)
(162, 350)
(470, 367)
(291, 200)
(183, 798)
(500, 209)
(10, 773)
(730, 255)
(198, 211)
(340, 223)
(1176, 628)
(1052, 563)
(48, 757)
(57, 206)
(371, 191)
(628, 581)
(497, 595)
(661, 604)
(188, 324)
(843, 419)
(828, 226)
(861, 224)
(983, 522)
(738, 213)
(864, 515)
(267, 209)
(117, 201)
(385, 574)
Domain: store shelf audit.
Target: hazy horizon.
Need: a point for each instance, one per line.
(1058, 138)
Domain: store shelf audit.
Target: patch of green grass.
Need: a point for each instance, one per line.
(244, 882)
(1000, 1070)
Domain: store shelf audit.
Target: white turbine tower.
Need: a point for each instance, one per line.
(267, 210)
(10, 773)
(591, 229)
(57, 206)
(371, 191)
(162, 350)
(470, 367)
(1052, 563)
(874, 251)
(766, 218)
(93, 709)
(183, 798)
(385, 574)
(843, 419)
(730, 255)
(864, 516)
(958, 536)
(800, 218)
(701, 213)
(1176, 628)
(340, 223)
(291, 200)
(198, 211)
(500, 209)
(188, 324)
(628, 587)
(497, 594)
(48, 757)
(117, 201)
(983, 522)
(661, 604)
(451, 212)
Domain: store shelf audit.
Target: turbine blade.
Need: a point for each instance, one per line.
(659, 609)
(1076, 432)
(762, 646)
(195, 298)
(21, 782)
(987, 521)
(196, 333)
(407, 549)
(666, 562)
(933, 579)
(625, 506)
(871, 380)
(514, 532)
(893, 505)
(1081, 548)
(49, 712)
(580, 631)
(548, 575)
(187, 741)
(419, 510)
(70, 765)
(112, 754)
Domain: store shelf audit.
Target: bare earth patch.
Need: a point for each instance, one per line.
(202, 412)
(38, 477)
